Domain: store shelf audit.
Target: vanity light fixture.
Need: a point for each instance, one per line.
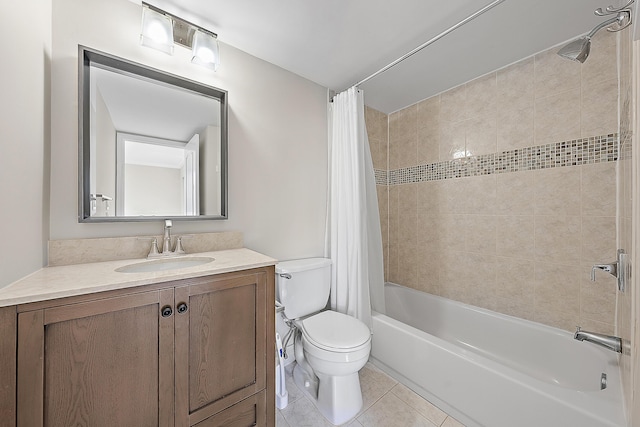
(157, 30)
(161, 31)
(205, 50)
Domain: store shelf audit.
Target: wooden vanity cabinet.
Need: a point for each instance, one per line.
(191, 352)
(8, 339)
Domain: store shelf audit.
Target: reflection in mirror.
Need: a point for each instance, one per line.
(156, 176)
(152, 144)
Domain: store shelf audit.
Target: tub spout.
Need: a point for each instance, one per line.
(607, 341)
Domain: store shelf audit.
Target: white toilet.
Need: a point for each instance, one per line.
(330, 347)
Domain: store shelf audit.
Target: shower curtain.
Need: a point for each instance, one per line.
(353, 239)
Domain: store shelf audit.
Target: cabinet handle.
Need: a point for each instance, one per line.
(182, 307)
(166, 311)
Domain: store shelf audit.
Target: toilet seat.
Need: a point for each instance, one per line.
(335, 332)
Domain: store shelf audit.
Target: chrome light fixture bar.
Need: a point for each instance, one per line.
(162, 30)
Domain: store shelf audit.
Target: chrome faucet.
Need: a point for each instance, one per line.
(154, 252)
(166, 240)
(607, 341)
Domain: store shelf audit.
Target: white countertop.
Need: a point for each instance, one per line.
(79, 279)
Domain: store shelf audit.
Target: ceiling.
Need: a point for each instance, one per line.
(337, 43)
(144, 107)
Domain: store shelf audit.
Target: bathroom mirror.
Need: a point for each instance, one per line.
(151, 144)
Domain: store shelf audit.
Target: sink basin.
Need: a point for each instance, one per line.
(164, 264)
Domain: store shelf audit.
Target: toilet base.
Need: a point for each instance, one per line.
(339, 398)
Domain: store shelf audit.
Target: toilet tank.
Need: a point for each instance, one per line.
(307, 289)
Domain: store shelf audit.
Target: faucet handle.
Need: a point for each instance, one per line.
(609, 268)
(153, 252)
(178, 249)
(154, 244)
(154, 247)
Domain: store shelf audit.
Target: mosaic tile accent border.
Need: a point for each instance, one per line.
(626, 147)
(597, 149)
(382, 176)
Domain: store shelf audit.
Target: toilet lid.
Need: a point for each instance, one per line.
(330, 329)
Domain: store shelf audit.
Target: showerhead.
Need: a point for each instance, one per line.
(577, 50)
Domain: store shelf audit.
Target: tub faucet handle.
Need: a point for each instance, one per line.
(618, 269)
(609, 268)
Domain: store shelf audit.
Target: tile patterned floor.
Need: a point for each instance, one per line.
(386, 403)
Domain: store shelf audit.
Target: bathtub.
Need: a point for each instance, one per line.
(494, 370)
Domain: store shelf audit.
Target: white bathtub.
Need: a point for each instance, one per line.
(489, 369)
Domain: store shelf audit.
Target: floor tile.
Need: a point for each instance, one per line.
(374, 384)
(280, 421)
(390, 411)
(303, 413)
(424, 408)
(294, 392)
(451, 422)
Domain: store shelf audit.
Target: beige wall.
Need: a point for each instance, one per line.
(510, 232)
(277, 135)
(24, 136)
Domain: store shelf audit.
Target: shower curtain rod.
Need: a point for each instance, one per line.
(434, 39)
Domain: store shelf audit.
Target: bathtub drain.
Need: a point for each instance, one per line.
(603, 381)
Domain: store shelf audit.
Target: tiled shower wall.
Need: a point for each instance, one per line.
(501, 192)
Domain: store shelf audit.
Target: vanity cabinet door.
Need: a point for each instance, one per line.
(221, 346)
(106, 362)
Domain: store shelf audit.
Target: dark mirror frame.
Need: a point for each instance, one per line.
(86, 57)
